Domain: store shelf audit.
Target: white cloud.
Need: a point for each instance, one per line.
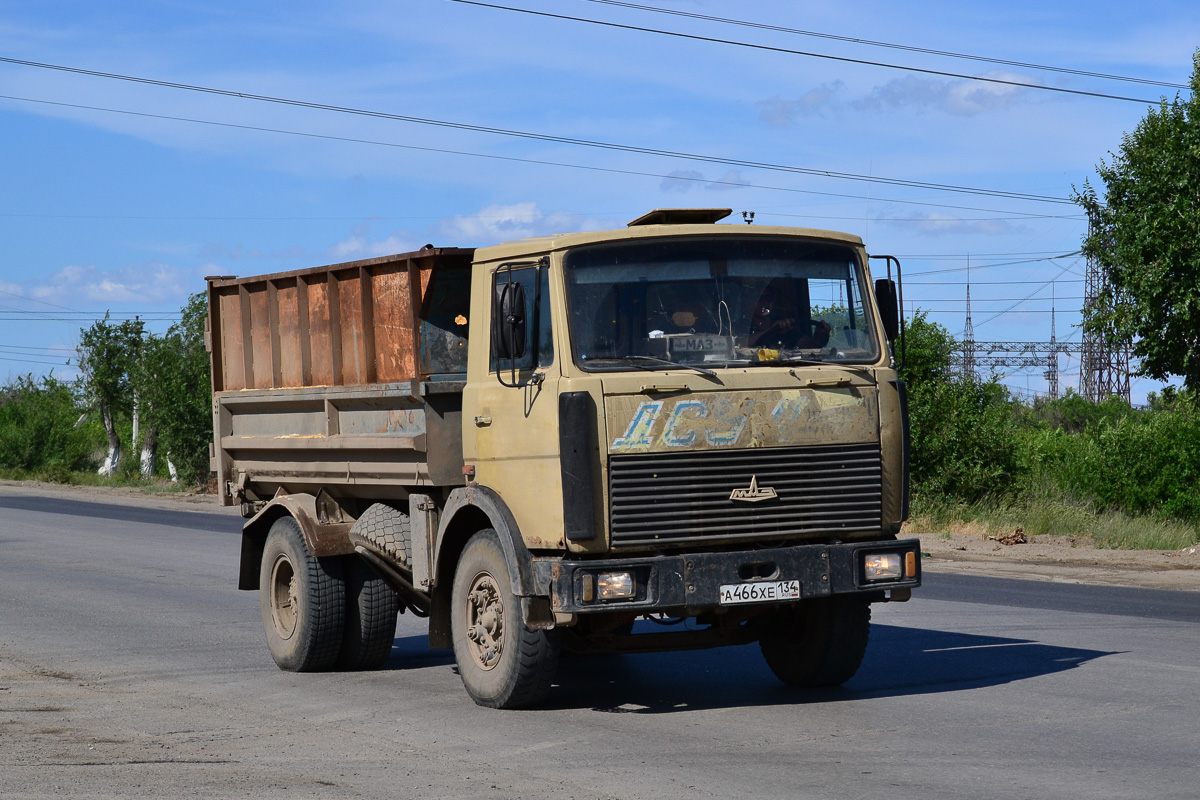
(684, 180)
(730, 181)
(361, 245)
(780, 113)
(681, 180)
(962, 98)
(498, 223)
(957, 97)
(495, 223)
(939, 224)
(140, 284)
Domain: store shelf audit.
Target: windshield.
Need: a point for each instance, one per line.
(717, 302)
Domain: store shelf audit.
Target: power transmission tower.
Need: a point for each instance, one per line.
(1051, 373)
(974, 354)
(968, 340)
(1103, 367)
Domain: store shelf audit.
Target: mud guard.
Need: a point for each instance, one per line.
(322, 540)
(453, 531)
(502, 521)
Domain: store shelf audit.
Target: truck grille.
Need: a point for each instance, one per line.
(660, 498)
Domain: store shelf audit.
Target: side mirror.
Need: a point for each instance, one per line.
(508, 321)
(889, 307)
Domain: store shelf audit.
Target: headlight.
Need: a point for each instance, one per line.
(614, 585)
(881, 567)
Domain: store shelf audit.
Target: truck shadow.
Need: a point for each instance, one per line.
(899, 662)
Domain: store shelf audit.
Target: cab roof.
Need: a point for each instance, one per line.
(673, 222)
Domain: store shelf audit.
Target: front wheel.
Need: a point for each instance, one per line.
(303, 601)
(818, 643)
(503, 664)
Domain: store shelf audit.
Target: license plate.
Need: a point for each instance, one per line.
(707, 345)
(733, 594)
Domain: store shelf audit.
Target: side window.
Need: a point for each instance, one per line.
(539, 339)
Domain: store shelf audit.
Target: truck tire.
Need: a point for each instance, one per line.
(820, 643)
(303, 601)
(503, 664)
(386, 531)
(371, 611)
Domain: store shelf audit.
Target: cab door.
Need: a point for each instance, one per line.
(510, 406)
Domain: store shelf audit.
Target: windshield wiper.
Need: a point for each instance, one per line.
(650, 362)
(798, 361)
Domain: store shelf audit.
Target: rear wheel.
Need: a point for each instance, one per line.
(819, 642)
(503, 664)
(371, 611)
(302, 600)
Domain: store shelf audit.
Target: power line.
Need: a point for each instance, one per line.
(23, 350)
(983, 283)
(142, 314)
(998, 299)
(988, 266)
(844, 59)
(543, 137)
(1030, 296)
(96, 318)
(516, 159)
(906, 48)
(928, 221)
(37, 300)
(1006, 312)
(31, 361)
(961, 256)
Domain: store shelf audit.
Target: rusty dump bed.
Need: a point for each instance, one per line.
(346, 376)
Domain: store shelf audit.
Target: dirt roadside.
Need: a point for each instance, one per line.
(1048, 558)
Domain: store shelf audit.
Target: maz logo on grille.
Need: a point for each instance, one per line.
(754, 494)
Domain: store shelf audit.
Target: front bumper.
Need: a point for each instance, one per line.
(690, 583)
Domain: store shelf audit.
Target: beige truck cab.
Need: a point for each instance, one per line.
(682, 421)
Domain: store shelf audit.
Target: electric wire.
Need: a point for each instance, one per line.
(32, 361)
(517, 159)
(545, 137)
(789, 51)
(989, 266)
(906, 48)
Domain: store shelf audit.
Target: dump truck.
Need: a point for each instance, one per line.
(537, 444)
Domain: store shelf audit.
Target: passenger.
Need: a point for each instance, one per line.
(778, 324)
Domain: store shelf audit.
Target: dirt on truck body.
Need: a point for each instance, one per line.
(538, 443)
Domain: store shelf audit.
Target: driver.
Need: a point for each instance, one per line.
(776, 324)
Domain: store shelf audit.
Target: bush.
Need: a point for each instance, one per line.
(1114, 457)
(963, 448)
(38, 427)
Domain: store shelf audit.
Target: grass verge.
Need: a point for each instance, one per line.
(90, 478)
(1108, 529)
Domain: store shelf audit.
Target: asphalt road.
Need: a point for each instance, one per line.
(130, 666)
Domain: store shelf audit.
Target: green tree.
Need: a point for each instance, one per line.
(1145, 236)
(175, 388)
(107, 355)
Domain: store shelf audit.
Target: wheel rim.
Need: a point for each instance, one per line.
(284, 597)
(485, 621)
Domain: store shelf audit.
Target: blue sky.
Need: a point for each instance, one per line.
(127, 212)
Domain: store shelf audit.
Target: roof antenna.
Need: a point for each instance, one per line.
(748, 216)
